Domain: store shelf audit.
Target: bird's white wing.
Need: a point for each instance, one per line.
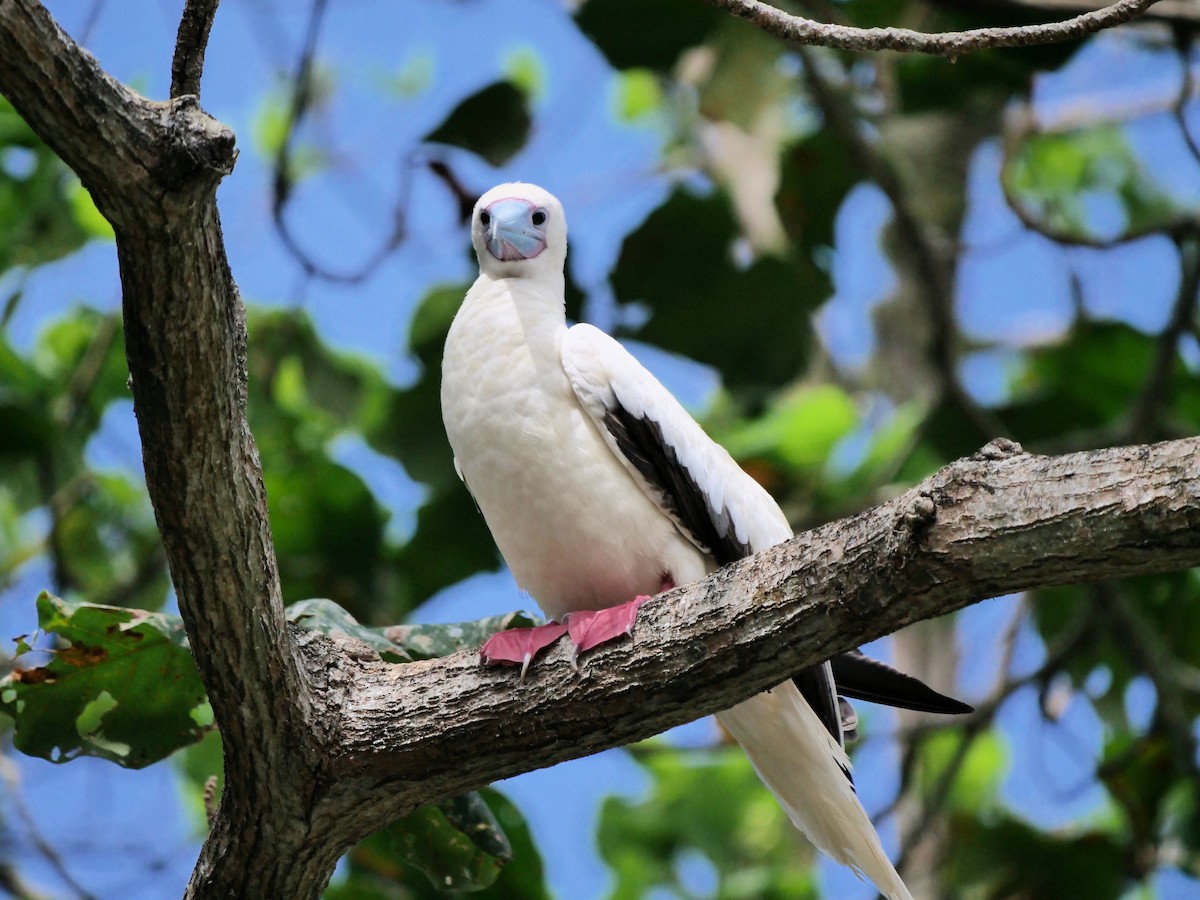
(792, 734)
(694, 480)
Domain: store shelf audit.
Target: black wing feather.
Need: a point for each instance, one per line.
(863, 678)
(641, 440)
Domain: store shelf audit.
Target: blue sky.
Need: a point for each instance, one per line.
(1012, 290)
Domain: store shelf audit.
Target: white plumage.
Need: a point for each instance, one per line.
(570, 446)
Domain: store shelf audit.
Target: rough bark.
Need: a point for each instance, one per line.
(323, 742)
(951, 44)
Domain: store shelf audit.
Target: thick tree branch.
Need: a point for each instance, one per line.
(999, 522)
(952, 44)
(153, 169)
(136, 157)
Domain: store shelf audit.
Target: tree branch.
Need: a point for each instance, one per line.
(1176, 12)
(951, 44)
(190, 41)
(1148, 405)
(153, 169)
(996, 523)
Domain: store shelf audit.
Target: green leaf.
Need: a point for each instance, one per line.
(461, 852)
(980, 771)
(327, 617)
(429, 641)
(638, 94)
(405, 643)
(493, 123)
(1015, 860)
(1087, 381)
(680, 264)
(38, 223)
(525, 69)
(664, 29)
(122, 687)
(799, 430)
(88, 217)
(477, 843)
(1060, 176)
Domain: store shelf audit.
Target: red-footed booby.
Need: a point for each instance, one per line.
(600, 490)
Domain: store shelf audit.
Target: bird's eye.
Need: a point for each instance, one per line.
(539, 217)
(485, 217)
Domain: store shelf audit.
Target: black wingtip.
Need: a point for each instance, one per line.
(862, 678)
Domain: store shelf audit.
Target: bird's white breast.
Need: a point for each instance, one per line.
(573, 526)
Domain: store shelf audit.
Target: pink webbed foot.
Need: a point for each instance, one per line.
(592, 627)
(518, 646)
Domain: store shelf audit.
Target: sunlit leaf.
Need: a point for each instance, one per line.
(800, 429)
(88, 217)
(638, 94)
(980, 769)
(1089, 184)
(525, 69)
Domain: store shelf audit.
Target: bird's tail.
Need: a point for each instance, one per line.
(806, 770)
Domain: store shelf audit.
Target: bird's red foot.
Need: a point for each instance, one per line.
(592, 627)
(518, 646)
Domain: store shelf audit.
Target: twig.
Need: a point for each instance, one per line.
(89, 24)
(1149, 402)
(1178, 12)
(282, 183)
(8, 771)
(88, 370)
(951, 44)
(190, 41)
(1020, 125)
(911, 737)
(60, 569)
(1187, 85)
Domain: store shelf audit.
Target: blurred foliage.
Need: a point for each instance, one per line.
(494, 122)
(42, 216)
(742, 843)
(767, 296)
(762, 153)
(452, 848)
(1066, 177)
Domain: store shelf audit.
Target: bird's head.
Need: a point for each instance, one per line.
(519, 230)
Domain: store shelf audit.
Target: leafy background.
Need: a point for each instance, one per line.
(853, 269)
